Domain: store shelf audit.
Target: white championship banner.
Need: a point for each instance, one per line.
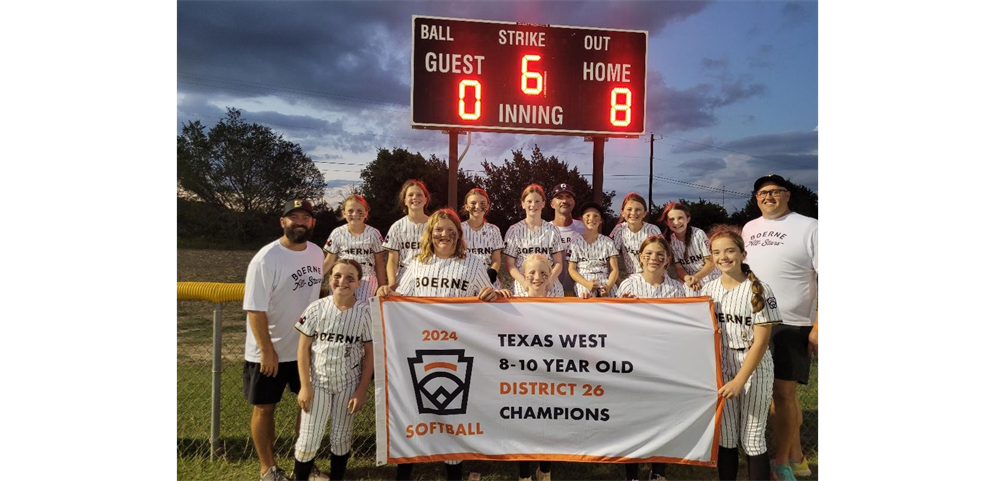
(562, 379)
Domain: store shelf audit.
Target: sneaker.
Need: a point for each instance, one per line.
(316, 475)
(274, 474)
(801, 469)
(541, 476)
(782, 472)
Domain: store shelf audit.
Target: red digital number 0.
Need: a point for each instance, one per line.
(462, 99)
(616, 107)
(526, 75)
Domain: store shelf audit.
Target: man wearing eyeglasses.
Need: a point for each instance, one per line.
(783, 250)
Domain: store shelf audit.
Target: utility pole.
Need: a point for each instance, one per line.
(651, 173)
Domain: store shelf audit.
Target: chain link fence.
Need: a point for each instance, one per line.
(194, 373)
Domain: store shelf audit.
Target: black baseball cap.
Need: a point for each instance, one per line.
(562, 188)
(297, 204)
(774, 178)
(592, 205)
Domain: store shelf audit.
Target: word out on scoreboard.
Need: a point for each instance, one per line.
(479, 75)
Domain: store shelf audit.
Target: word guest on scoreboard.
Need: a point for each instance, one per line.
(480, 75)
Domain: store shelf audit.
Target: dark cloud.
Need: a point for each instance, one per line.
(352, 54)
(749, 119)
(713, 64)
(701, 144)
(793, 13)
(762, 58)
(676, 110)
(767, 145)
(740, 89)
(702, 167)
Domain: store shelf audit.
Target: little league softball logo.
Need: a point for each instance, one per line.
(441, 378)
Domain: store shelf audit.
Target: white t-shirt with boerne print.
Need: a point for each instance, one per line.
(281, 283)
(638, 287)
(734, 311)
(700, 249)
(785, 252)
(452, 277)
(337, 348)
(404, 237)
(628, 242)
(520, 242)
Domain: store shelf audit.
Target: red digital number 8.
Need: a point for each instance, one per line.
(616, 107)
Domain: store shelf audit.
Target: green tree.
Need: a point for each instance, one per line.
(803, 201)
(504, 184)
(244, 167)
(705, 214)
(383, 178)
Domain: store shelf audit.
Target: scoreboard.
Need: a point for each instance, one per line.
(480, 75)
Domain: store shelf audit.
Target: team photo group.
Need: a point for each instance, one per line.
(310, 323)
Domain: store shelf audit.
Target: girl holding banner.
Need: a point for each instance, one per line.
(745, 309)
(538, 271)
(655, 255)
(442, 255)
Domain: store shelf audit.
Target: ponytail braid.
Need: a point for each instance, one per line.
(758, 290)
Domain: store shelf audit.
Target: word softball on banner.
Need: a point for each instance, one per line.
(564, 379)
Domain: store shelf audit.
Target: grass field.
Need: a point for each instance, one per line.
(237, 460)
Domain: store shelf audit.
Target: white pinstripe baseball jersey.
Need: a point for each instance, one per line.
(637, 286)
(700, 248)
(483, 242)
(337, 349)
(404, 237)
(628, 242)
(520, 242)
(450, 277)
(360, 248)
(567, 235)
(592, 258)
(735, 314)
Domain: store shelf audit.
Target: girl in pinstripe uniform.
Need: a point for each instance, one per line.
(745, 309)
(538, 272)
(335, 364)
(359, 242)
(593, 258)
(652, 283)
(403, 238)
(483, 239)
(443, 255)
(533, 235)
(631, 231)
(690, 244)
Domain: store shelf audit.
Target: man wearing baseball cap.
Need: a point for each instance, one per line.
(783, 250)
(283, 278)
(562, 201)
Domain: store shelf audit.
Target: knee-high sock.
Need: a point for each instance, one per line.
(728, 463)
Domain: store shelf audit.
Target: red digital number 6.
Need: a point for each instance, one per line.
(526, 75)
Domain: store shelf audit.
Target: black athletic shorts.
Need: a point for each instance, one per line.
(259, 389)
(789, 347)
